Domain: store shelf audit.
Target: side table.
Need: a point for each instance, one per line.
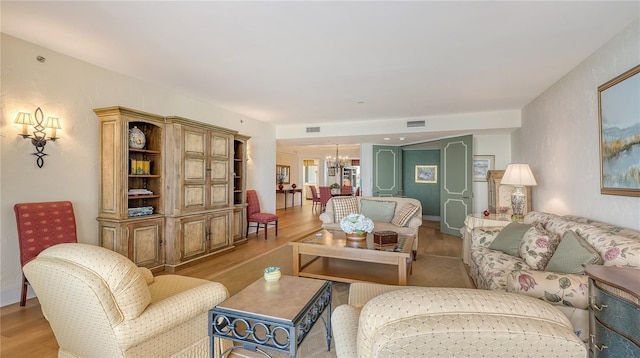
(273, 315)
(479, 220)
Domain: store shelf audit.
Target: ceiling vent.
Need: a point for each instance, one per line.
(411, 124)
(313, 129)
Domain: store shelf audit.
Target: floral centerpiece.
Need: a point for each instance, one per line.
(356, 226)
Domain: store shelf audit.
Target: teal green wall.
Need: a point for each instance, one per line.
(427, 193)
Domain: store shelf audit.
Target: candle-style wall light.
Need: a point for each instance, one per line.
(39, 135)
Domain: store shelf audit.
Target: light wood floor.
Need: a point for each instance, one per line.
(25, 333)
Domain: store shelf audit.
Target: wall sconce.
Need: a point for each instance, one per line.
(39, 135)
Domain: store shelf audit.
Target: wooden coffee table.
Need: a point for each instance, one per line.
(329, 255)
(273, 315)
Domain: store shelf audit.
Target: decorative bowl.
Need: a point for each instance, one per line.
(272, 273)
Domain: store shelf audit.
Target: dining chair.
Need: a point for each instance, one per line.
(315, 197)
(358, 191)
(325, 195)
(254, 215)
(346, 189)
(41, 225)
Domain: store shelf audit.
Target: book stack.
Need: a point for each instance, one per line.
(136, 192)
(141, 211)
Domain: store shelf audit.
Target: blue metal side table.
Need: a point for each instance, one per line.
(272, 315)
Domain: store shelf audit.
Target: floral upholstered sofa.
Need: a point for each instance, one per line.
(402, 215)
(548, 258)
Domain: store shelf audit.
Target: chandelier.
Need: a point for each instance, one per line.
(337, 162)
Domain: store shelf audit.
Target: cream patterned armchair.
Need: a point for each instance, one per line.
(392, 321)
(100, 304)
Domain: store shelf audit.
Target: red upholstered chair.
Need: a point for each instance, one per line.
(358, 191)
(346, 189)
(325, 195)
(255, 216)
(41, 225)
(316, 197)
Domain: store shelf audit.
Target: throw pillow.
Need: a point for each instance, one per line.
(508, 240)
(537, 247)
(402, 217)
(343, 206)
(378, 210)
(572, 253)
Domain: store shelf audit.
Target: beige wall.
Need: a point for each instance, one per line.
(559, 138)
(71, 89)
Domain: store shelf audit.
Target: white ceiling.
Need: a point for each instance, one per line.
(313, 62)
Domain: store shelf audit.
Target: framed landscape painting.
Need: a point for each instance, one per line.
(619, 123)
(481, 165)
(427, 174)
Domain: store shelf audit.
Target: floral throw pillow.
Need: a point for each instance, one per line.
(537, 247)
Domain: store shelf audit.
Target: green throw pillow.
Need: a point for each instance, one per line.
(571, 254)
(508, 240)
(378, 210)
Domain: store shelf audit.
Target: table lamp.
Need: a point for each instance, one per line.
(518, 175)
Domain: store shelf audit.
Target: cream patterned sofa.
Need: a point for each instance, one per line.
(390, 321)
(402, 215)
(527, 273)
(100, 304)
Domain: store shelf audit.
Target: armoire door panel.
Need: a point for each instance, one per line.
(219, 194)
(219, 170)
(194, 233)
(146, 243)
(194, 142)
(194, 197)
(219, 146)
(220, 235)
(194, 169)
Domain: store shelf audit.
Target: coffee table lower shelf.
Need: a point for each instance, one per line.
(349, 271)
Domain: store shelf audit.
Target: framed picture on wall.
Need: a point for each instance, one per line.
(332, 172)
(619, 122)
(282, 174)
(481, 165)
(427, 174)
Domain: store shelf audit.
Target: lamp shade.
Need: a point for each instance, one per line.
(518, 175)
(52, 122)
(24, 119)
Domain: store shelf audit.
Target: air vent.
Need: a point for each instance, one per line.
(411, 124)
(313, 129)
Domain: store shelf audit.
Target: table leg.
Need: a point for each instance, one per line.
(285, 200)
(402, 271)
(296, 261)
(293, 199)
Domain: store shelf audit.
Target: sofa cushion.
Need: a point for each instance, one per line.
(563, 290)
(343, 206)
(378, 210)
(508, 240)
(616, 250)
(402, 217)
(537, 247)
(492, 267)
(572, 253)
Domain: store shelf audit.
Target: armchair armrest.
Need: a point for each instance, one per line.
(327, 217)
(415, 222)
(344, 321)
(559, 289)
(169, 313)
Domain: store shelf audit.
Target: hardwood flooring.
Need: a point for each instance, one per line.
(25, 333)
